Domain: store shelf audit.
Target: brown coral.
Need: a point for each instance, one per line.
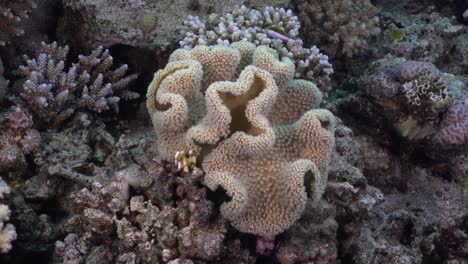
(260, 137)
(342, 25)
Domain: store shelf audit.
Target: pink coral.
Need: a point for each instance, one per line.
(19, 120)
(412, 69)
(454, 129)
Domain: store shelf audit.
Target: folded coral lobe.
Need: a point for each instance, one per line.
(268, 147)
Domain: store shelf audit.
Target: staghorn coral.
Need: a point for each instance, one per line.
(7, 231)
(274, 27)
(260, 137)
(342, 26)
(12, 13)
(105, 87)
(54, 91)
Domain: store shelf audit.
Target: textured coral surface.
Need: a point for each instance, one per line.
(265, 155)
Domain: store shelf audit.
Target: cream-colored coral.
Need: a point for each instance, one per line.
(7, 231)
(185, 161)
(257, 130)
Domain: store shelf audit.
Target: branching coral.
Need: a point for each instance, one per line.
(12, 12)
(274, 27)
(7, 231)
(342, 26)
(260, 136)
(54, 90)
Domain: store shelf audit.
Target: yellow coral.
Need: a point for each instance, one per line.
(185, 161)
(260, 137)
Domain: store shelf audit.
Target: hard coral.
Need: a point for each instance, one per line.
(260, 136)
(454, 129)
(276, 28)
(12, 12)
(54, 90)
(344, 25)
(7, 231)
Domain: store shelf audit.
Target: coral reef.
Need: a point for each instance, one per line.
(12, 13)
(428, 35)
(339, 27)
(254, 138)
(137, 23)
(412, 232)
(245, 145)
(421, 103)
(7, 231)
(54, 90)
(153, 224)
(274, 27)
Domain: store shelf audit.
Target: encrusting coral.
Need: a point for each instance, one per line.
(54, 90)
(257, 130)
(7, 231)
(276, 28)
(12, 12)
(342, 26)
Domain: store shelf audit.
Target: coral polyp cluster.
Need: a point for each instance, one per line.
(276, 28)
(261, 138)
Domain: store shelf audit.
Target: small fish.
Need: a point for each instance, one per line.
(277, 35)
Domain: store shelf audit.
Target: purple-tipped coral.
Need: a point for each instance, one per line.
(12, 13)
(54, 91)
(276, 28)
(106, 87)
